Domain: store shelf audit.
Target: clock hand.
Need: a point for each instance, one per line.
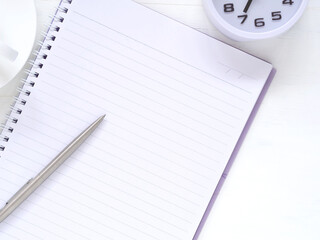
(247, 6)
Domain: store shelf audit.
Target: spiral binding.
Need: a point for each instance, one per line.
(29, 82)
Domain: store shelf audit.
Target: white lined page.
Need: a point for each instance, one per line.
(176, 103)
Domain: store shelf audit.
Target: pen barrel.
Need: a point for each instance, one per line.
(35, 182)
(17, 199)
(29, 187)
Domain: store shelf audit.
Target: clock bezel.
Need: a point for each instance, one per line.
(240, 35)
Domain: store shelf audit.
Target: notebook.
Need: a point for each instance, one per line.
(177, 105)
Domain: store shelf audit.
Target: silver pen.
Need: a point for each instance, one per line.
(25, 191)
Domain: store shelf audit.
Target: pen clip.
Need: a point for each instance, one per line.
(19, 193)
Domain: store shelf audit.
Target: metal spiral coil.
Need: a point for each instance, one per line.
(36, 64)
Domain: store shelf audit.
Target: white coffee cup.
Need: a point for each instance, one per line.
(18, 27)
(8, 52)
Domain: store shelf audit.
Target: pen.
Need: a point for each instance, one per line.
(25, 191)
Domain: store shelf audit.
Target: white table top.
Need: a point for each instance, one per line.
(273, 188)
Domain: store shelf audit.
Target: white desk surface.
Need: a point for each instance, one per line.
(273, 189)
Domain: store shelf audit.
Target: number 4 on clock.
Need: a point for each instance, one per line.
(288, 2)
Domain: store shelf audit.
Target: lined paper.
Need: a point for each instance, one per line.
(176, 103)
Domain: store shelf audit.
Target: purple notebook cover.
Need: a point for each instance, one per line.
(235, 152)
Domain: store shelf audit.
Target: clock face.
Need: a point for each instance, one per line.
(257, 16)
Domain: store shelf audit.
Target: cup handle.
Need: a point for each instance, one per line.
(7, 52)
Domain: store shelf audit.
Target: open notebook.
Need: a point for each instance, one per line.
(177, 103)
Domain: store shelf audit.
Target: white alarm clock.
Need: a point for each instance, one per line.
(245, 20)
